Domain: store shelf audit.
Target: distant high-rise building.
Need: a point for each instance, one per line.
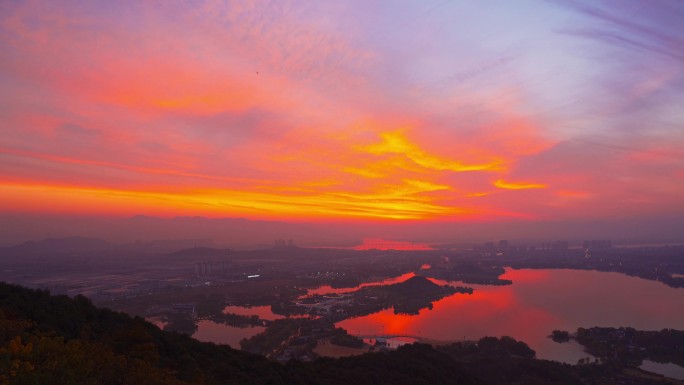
(559, 246)
(204, 268)
(283, 244)
(503, 245)
(280, 243)
(599, 244)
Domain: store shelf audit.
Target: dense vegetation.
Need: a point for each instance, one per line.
(560, 336)
(407, 297)
(58, 340)
(470, 272)
(297, 337)
(631, 346)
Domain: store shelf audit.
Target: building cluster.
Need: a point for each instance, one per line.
(559, 246)
(283, 244)
(326, 305)
(600, 244)
(504, 247)
(213, 268)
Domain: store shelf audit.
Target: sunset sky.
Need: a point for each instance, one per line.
(343, 111)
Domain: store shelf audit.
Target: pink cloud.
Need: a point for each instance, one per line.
(337, 104)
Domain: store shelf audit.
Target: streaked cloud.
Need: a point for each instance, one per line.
(342, 110)
(517, 185)
(396, 143)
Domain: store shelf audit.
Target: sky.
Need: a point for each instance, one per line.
(344, 113)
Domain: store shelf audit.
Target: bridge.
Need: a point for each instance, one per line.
(426, 340)
(386, 336)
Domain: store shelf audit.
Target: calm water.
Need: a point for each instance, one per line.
(330, 290)
(669, 370)
(264, 312)
(537, 302)
(209, 331)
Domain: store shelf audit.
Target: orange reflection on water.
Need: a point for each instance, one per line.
(264, 312)
(384, 244)
(490, 310)
(209, 331)
(391, 323)
(327, 289)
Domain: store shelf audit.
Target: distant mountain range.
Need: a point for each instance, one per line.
(58, 246)
(232, 232)
(83, 245)
(201, 252)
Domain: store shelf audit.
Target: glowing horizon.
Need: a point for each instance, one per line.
(342, 112)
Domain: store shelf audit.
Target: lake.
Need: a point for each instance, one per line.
(209, 331)
(264, 312)
(326, 289)
(670, 370)
(537, 302)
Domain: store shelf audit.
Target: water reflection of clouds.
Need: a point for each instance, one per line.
(327, 289)
(537, 302)
(264, 312)
(209, 331)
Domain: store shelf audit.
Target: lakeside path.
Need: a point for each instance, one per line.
(327, 349)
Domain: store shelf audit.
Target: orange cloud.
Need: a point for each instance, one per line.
(517, 185)
(397, 143)
(55, 198)
(258, 108)
(389, 178)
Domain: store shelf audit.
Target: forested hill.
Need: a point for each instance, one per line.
(48, 339)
